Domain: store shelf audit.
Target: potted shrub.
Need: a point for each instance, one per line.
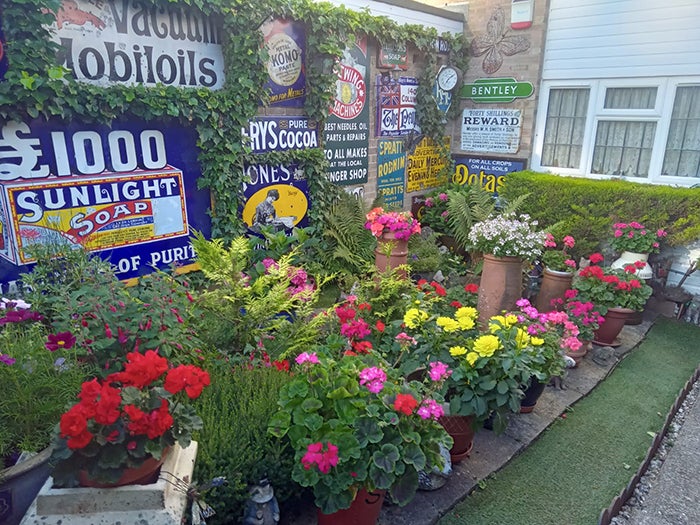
(354, 423)
(616, 294)
(506, 241)
(558, 271)
(392, 230)
(634, 243)
(124, 425)
(39, 375)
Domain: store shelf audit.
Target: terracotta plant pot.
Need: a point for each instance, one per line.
(461, 429)
(554, 284)
(364, 510)
(614, 322)
(143, 475)
(399, 252)
(501, 286)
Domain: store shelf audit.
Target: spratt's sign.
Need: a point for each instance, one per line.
(131, 42)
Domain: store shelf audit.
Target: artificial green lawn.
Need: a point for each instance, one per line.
(583, 461)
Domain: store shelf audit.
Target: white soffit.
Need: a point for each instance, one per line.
(409, 12)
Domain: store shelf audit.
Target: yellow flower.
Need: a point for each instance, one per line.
(522, 339)
(414, 317)
(466, 312)
(457, 350)
(466, 323)
(448, 324)
(486, 345)
(536, 341)
(499, 322)
(472, 357)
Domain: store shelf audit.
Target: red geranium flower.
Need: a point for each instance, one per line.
(405, 403)
(188, 377)
(471, 288)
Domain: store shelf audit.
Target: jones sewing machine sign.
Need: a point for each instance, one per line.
(346, 132)
(131, 42)
(128, 193)
(277, 196)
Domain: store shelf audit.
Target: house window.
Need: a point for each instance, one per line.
(564, 131)
(623, 148)
(682, 158)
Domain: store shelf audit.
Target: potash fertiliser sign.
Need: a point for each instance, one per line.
(131, 42)
(128, 193)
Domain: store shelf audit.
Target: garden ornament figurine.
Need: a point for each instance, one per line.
(262, 507)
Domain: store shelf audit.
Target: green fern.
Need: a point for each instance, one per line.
(465, 208)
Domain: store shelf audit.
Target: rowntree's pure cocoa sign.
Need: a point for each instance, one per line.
(132, 42)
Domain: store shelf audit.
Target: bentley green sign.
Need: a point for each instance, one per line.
(496, 90)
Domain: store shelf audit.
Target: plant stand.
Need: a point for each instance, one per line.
(160, 503)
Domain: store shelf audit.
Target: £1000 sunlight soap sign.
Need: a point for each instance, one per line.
(128, 193)
(132, 42)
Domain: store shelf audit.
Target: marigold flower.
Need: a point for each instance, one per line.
(457, 351)
(447, 324)
(472, 358)
(414, 317)
(486, 345)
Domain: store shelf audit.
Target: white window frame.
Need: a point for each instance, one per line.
(660, 114)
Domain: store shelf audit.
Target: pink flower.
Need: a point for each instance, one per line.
(570, 293)
(636, 225)
(357, 328)
(430, 409)
(661, 233)
(618, 233)
(316, 455)
(439, 371)
(570, 263)
(443, 197)
(306, 357)
(373, 378)
(595, 258)
(549, 241)
(429, 202)
(404, 338)
(569, 241)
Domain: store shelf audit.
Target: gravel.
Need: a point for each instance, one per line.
(648, 480)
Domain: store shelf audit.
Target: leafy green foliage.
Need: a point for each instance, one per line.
(35, 86)
(237, 446)
(253, 305)
(586, 209)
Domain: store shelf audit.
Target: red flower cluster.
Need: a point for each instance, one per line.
(431, 287)
(405, 403)
(104, 403)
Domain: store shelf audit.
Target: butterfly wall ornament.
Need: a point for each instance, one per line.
(496, 42)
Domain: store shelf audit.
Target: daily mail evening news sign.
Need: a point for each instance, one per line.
(346, 132)
(130, 42)
(285, 41)
(128, 193)
(489, 173)
(277, 195)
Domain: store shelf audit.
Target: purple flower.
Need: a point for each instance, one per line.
(7, 359)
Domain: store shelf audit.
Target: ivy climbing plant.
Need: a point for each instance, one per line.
(36, 86)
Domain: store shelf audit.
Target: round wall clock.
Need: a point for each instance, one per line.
(447, 78)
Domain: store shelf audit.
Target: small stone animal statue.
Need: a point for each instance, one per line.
(262, 507)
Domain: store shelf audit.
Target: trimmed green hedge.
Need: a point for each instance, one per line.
(586, 208)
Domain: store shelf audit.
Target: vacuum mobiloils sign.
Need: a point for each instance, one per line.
(131, 42)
